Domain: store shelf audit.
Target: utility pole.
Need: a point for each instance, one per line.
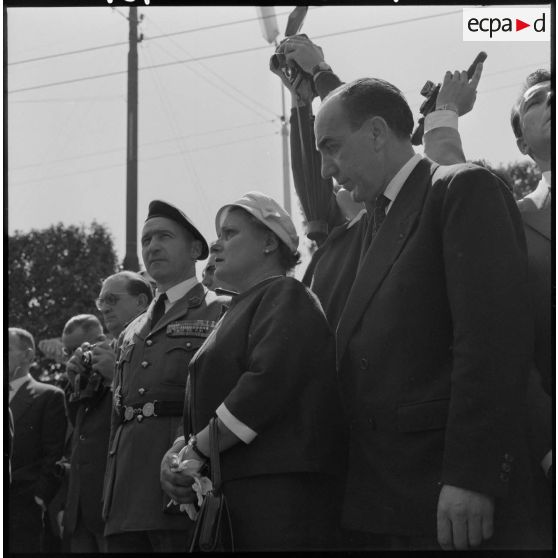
(131, 259)
(286, 165)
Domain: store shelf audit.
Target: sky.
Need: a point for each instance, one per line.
(209, 128)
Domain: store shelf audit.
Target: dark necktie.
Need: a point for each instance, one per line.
(376, 219)
(158, 309)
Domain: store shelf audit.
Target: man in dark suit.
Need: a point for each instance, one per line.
(39, 416)
(531, 118)
(149, 385)
(123, 296)
(433, 342)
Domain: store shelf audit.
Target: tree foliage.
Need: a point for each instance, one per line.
(524, 177)
(56, 273)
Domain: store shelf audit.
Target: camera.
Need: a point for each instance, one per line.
(87, 359)
(278, 60)
(89, 382)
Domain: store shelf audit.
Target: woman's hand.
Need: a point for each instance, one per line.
(177, 484)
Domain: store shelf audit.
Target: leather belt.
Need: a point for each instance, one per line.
(152, 409)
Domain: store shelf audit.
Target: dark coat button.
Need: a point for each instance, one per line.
(363, 363)
(506, 467)
(504, 477)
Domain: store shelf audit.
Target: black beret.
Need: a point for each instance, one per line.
(158, 208)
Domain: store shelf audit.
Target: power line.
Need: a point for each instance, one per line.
(146, 144)
(388, 24)
(221, 54)
(226, 92)
(163, 35)
(142, 160)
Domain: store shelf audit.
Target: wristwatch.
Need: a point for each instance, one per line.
(322, 66)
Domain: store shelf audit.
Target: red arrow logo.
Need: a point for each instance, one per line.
(519, 25)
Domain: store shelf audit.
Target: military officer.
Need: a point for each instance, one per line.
(149, 384)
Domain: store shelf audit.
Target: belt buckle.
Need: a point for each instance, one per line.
(128, 413)
(148, 410)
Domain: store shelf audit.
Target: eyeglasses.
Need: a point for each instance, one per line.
(110, 299)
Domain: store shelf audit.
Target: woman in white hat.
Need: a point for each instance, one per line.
(268, 373)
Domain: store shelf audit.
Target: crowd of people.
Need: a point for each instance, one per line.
(399, 397)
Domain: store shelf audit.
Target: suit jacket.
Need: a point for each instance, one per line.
(152, 365)
(433, 347)
(271, 361)
(537, 225)
(39, 415)
(88, 462)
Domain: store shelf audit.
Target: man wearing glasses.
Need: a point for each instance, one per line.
(123, 296)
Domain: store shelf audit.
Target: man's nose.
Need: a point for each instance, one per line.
(550, 98)
(328, 168)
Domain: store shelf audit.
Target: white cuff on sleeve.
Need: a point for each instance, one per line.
(238, 428)
(440, 119)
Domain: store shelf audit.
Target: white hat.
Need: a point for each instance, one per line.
(268, 212)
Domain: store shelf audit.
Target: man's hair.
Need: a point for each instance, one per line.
(136, 284)
(24, 338)
(538, 76)
(88, 322)
(367, 97)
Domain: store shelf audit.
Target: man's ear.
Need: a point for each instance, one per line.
(378, 130)
(29, 355)
(522, 145)
(196, 249)
(142, 300)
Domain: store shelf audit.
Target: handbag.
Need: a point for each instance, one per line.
(213, 528)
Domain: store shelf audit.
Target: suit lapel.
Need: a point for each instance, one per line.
(539, 220)
(384, 250)
(192, 299)
(22, 400)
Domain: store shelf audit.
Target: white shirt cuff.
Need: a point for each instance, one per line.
(440, 119)
(547, 462)
(238, 428)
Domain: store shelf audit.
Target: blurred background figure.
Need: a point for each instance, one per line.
(39, 417)
(208, 274)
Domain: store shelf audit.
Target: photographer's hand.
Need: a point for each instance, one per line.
(103, 360)
(301, 89)
(458, 91)
(74, 365)
(300, 49)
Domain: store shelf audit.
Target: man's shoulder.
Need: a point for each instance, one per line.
(448, 172)
(41, 388)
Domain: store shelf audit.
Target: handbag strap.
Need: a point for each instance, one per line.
(214, 454)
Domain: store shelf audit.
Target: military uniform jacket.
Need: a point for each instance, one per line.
(433, 347)
(152, 365)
